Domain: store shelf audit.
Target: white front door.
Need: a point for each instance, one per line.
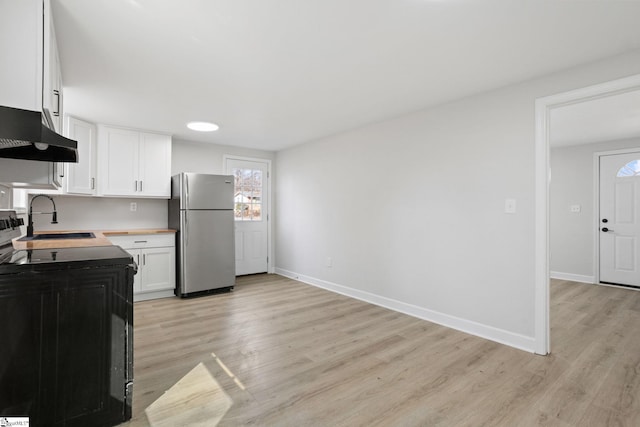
(251, 214)
(620, 219)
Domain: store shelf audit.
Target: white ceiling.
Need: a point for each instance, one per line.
(604, 119)
(275, 73)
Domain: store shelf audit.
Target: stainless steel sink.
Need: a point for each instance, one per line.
(59, 236)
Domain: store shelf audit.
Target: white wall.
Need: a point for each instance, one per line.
(100, 213)
(572, 183)
(199, 157)
(411, 210)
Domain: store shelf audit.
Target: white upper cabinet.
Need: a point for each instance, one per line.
(52, 74)
(133, 164)
(80, 178)
(30, 63)
(155, 165)
(118, 161)
(21, 50)
(27, 50)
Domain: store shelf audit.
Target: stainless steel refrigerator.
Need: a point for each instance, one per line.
(201, 209)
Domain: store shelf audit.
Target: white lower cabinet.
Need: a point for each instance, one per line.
(155, 255)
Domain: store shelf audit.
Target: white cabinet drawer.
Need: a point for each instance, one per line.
(135, 241)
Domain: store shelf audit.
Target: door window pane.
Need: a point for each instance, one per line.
(247, 194)
(630, 169)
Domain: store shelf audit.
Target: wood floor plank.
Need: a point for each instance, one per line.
(289, 354)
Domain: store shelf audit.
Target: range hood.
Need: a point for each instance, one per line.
(24, 135)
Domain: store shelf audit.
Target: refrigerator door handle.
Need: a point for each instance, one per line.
(186, 191)
(186, 229)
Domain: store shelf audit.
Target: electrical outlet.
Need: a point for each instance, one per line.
(133, 206)
(575, 208)
(329, 262)
(510, 206)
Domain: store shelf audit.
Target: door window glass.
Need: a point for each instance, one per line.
(247, 194)
(630, 169)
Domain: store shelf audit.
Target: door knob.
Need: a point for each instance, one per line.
(605, 220)
(605, 229)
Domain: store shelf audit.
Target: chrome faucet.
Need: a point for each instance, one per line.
(54, 213)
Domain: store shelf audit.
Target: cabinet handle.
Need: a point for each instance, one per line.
(144, 259)
(93, 183)
(135, 186)
(138, 259)
(140, 185)
(56, 93)
(139, 241)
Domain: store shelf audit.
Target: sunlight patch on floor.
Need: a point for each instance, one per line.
(196, 400)
(228, 372)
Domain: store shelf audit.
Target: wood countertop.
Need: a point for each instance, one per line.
(101, 239)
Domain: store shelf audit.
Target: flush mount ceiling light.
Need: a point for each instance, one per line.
(202, 126)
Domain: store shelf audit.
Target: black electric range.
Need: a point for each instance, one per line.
(66, 322)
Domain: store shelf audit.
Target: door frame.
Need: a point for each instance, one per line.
(543, 107)
(596, 204)
(225, 162)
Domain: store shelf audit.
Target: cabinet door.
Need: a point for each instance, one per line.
(24, 369)
(118, 161)
(91, 350)
(21, 52)
(155, 165)
(158, 267)
(82, 348)
(66, 352)
(52, 76)
(52, 94)
(81, 176)
(137, 258)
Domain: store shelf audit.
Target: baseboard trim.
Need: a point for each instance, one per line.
(153, 295)
(501, 336)
(572, 277)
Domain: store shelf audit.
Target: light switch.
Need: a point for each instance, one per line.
(510, 206)
(575, 208)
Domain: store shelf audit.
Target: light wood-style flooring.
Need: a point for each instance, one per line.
(276, 352)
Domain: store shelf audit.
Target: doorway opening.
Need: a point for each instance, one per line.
(544, 107)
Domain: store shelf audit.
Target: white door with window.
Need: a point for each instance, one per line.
(251, 214)
(619, 222)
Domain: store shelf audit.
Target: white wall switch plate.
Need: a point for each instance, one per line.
(510, 206)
